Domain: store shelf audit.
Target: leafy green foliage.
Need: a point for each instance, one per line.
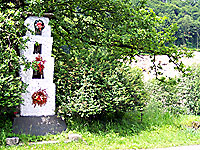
(123, 28)
(187, 16)
(177, 95)
(166, 94)
(190, 91)
(11, 31)
(93, 82)
(5, 130)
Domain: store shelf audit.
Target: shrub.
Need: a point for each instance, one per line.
(177, 95)
(165, 94)
(5, 130)
(189, 88)
(93, 83)
(10, 42)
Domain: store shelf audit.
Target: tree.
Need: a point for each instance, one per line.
(119, 28)
(185, 14)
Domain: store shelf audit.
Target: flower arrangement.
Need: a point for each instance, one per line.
(39, 98)
(39, 25)
(38, 64)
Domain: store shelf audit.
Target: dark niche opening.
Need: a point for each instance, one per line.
(38, 32)
(37, 49)
(37, 74)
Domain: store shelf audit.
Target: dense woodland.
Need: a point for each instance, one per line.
(184, 13)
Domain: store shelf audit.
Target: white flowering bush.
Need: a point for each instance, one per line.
(177, 95)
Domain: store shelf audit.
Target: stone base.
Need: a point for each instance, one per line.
(38, 125)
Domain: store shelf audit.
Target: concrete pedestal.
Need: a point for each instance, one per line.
(38, 125)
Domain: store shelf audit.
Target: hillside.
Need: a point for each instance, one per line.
(186, 14)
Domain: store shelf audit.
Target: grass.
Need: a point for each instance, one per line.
(158, 129)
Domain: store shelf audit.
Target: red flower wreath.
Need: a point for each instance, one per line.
(39, 25)
(39, 98)
(38, 64)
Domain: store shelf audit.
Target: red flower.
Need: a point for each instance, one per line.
(15, 113)
(40, 64)
(39, 24)
(39, 98)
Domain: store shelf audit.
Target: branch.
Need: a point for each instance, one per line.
(123, 46)
(93, 10)
(154, 66)
(45, 14)
(174, 62)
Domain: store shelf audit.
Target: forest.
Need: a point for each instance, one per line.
(184, 13)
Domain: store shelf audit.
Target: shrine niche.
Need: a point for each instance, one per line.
(38, 68)
(39, 26)
(37, 49)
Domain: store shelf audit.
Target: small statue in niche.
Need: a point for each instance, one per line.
(37, 49)
(39, 26)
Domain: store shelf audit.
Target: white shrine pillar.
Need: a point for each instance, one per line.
(39, 46)
(38, 108)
